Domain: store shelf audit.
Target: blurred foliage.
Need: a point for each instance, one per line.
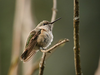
(61, 62)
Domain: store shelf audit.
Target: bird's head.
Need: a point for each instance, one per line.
(46, 24)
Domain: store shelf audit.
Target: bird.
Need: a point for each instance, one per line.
(39, 38)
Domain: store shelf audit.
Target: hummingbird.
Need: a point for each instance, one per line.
(39, 38)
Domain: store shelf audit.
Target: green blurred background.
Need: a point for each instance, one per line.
(62, 60)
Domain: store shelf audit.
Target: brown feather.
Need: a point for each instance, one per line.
(30, 51)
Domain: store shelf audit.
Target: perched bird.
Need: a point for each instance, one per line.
(39, 38)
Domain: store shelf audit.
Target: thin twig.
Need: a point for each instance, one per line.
(36, 64)
(56, 45)
(54, 11)
(76, 38)
(41, 65)
(46, 51)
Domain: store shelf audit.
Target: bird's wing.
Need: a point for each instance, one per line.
(32, 34)
(30, 44)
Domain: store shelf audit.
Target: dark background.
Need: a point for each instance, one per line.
(62, 60)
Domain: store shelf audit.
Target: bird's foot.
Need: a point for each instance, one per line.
(41, 48)
(49, 51)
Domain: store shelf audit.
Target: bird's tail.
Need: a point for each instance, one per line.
(27, 55)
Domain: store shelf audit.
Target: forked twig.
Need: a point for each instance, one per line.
(41, 65)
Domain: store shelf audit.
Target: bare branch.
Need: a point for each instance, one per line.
(55, 46)
(41, 65)
(76, 38)
(54, 10)
(36, 64)
(44, 55)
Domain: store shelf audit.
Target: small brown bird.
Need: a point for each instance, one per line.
(39, 38)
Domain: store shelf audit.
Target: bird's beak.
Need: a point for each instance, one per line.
(55, 21)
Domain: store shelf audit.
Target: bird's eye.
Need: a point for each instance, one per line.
(44, 24)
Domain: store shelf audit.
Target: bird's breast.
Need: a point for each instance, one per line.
(45, 38)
